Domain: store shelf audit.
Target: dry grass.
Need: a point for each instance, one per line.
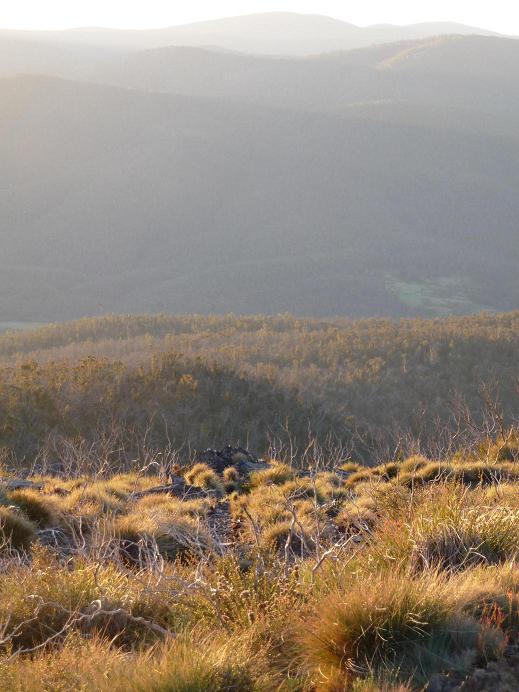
(371, 580)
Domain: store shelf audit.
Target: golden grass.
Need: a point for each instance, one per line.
(290, 582)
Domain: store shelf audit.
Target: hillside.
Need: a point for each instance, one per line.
(375, 387)
(397, 203)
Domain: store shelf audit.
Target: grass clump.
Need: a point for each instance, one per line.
(476, 535)
(42, 510)
(92, 500)
(202, 476)
(231, 479)
(183, 665)
(174, 537)
(16, 531)
(411, 626)
(277, 474)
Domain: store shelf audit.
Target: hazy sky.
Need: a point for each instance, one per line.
(499, 15)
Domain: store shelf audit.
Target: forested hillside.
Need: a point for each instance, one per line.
(376, 387)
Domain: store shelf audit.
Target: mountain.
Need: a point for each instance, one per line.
(275, 33)
(344, 201)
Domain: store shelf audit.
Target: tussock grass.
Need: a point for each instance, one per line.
(185, 665)
(412, 626)
(16, 531)
(278, 474)
(92, 500)
(39, 600)
(202, 476)
(174, 534)
(478, 535)
(42, 510)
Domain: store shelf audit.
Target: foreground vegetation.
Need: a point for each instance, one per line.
(393, 577)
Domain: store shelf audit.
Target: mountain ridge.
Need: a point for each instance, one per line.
(265, 33)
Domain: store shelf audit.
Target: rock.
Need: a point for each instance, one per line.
(244, 461)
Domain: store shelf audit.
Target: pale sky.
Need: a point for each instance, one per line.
(498, 15)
